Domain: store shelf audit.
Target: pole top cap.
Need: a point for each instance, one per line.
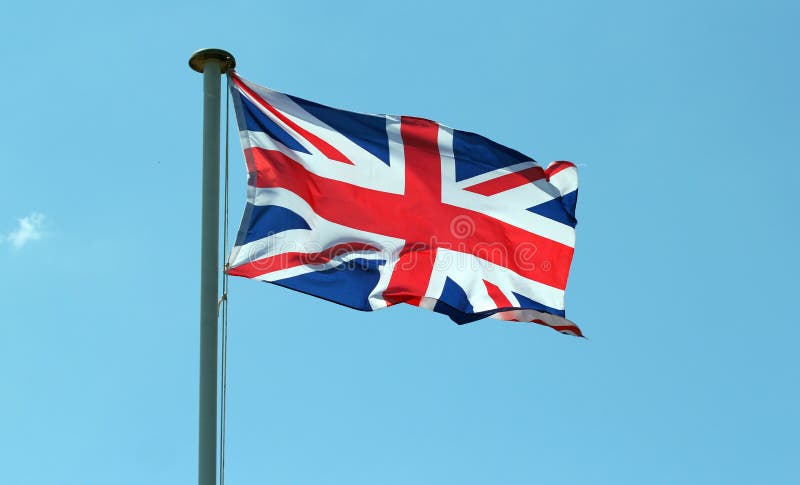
(199, 59)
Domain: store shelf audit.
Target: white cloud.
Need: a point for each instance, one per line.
(29, 229)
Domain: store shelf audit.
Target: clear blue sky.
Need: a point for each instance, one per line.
(682, 117)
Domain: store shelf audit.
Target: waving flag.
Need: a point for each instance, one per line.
(373, 210)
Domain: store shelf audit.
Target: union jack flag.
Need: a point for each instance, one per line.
(373, 210)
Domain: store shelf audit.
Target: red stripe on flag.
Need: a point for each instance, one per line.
(570, 329)
(556, 167)
(321, 145)
(410, 276)
(496, 294)
(508, 181)
(292, 259)
(412, 273)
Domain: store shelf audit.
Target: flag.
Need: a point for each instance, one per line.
(369, 211)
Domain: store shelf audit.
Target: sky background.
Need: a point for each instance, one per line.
(682, 117)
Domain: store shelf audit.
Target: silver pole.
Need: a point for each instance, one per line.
(212, 63)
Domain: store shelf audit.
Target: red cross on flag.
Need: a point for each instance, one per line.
(373, 210)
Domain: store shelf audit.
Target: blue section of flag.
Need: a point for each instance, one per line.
(348, 284)
(570, 201)
(256, 120)
(267, 220)
(528, 304)
(475, 155)
(454, 303)
(365, 130)
(561, 209)
(455, 296)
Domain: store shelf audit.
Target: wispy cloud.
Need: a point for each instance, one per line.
(29, 229)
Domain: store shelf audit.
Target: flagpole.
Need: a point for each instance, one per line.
(212, 63)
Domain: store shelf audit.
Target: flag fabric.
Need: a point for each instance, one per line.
(373, 210)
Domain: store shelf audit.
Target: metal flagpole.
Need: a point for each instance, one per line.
(212, 63)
